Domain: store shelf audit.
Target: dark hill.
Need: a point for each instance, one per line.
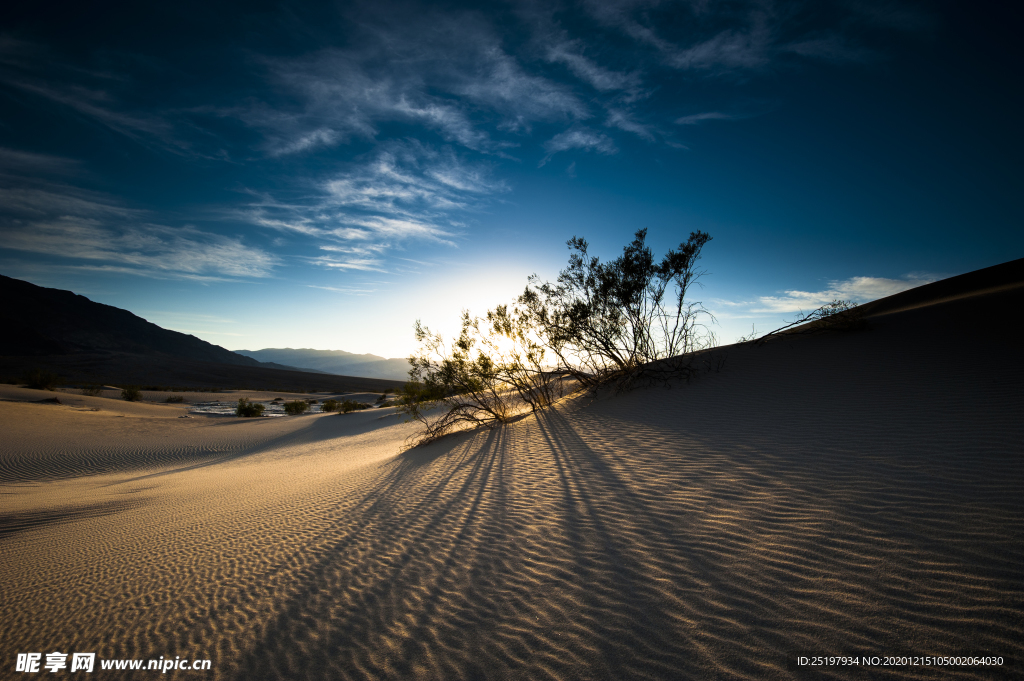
(47, 321)
(84, 341)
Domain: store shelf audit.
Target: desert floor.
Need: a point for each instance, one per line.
(850, 494)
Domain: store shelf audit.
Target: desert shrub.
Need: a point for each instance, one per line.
(492, 372)
(599, 324)
(131, 394)
(247, 408)
(177, 399)
(330, 405)
(296, 407)
(276, 399)
(42, 379)
(839, 315)
(92, 390)
(612, 322)
(349, 406)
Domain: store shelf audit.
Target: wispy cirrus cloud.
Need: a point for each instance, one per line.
(570, 53)
(579, 138)
(149, 250)
(694, 119)
(722, 38)
(96, 232)
(855, 289)
(100, 97)
(406, 191)
(15, 163)
(454, 79)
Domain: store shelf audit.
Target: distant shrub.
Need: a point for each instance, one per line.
(92, 390)
(131, 394)
(295, 408)
(330, 405)
(839, 315)
(349, 406)
(176, 399)
(245, 407)
(276, 399)
(41, 379)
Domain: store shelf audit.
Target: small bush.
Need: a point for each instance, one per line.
(131, 394)
(245, 407)
(295, 408)
(177, 399)
(330, 405)
(41, 379)
(92, 390)
(276, 399)
(349, 406)
(839, 315)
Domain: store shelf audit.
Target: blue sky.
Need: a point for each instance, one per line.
(322, 175)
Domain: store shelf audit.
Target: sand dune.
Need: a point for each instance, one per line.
(839, 494)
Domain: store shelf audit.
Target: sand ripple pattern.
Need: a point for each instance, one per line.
(87, 443)
(818, 496)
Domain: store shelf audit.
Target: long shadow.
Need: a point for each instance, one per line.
(12, 523)
(638, 621)
(447, 580)
(317, 430)
(399, 572)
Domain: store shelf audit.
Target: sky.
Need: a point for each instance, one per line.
(322, 175)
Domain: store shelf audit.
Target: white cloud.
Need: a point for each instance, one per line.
(746, 35)
(620, 119)
(453, 78)
(361, 264)
(856, 289)
(53, 199)
(731, 49)
(405, 191)
(578, 138)
(410, 189)
(102, 234)
(19, 163)
(349, 290)
(600, 78)
(141, 249)
(694, 119)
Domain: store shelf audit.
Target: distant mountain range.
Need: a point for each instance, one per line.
(85, 341)
(334, 362)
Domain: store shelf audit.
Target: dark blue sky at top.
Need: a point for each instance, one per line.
(316, 174)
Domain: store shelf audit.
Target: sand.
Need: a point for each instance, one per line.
(845, 494)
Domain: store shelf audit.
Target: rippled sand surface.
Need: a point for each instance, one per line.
(834, 495)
